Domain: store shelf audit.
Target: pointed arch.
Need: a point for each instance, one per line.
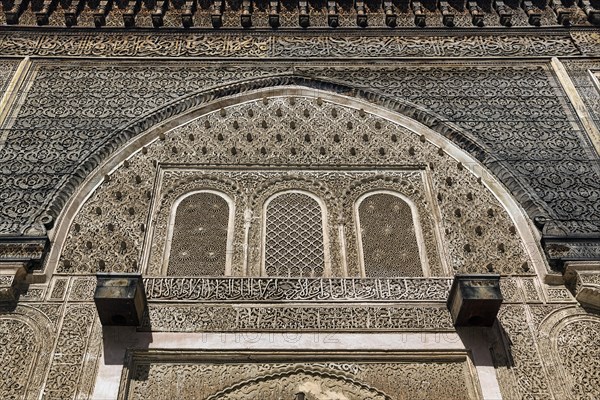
(428, 136)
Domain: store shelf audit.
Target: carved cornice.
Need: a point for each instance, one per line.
(300, 14)
(314, 44)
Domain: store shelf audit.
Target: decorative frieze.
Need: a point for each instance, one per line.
(265, 45)
(241, 318)
(286, 289)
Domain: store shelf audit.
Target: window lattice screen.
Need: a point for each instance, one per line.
(199, 244)
(389, 242)
(294, 236)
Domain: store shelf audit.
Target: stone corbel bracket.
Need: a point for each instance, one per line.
(216, 13)
(187, 15)
(246, 15)
(274, 10)
(361, 13)
(130, 13)
(583, 279)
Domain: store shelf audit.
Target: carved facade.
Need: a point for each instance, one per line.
(299, 200)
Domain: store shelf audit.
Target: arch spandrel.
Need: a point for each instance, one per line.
(357, 146)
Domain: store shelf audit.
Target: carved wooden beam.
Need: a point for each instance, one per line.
(187, 16)
(158, 13)
(42, 16)
(447, 15)
(419, 12)
(592, 14)
(333, 18)
(476, 14)
(563, 15)
(534, 17)
(13, 15)
(72, 12)
(504, 12)
(391, 18)
(216, 13)
(133, 7)
(303, 14)
(274, 9)
(101, 12)
(246, 15)
(361, 13)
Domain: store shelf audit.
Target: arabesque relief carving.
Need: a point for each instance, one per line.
(317, 380)
(277, 46)
(279, 131)
(546, 123)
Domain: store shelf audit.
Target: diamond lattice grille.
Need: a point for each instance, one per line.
(294, 236)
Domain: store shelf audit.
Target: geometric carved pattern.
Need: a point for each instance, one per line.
(279, 132)
(294, 237)
(279, 318)
(196, 378)
(389, 243)
(579, 351)
(199, 243)
(18, 352)
(7, 69)
(225, 290)
(265, 45)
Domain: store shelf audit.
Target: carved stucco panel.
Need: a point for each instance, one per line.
(27, 335)
(7, 70)
(280, 131)
(520, 371)
(278, 46)
(568, 338)
(70, 355)
(319, 380)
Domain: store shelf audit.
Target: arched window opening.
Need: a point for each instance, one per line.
(387, 235)
(200, 232)
(294, 233)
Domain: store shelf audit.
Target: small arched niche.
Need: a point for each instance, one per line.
(200, 235)
(389, 237)
(295, 240)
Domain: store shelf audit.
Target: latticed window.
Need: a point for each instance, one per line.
(388, 240)
(199, 237)
(294, 244)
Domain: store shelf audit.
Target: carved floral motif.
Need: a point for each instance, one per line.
(279, 131)
(265, 45)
